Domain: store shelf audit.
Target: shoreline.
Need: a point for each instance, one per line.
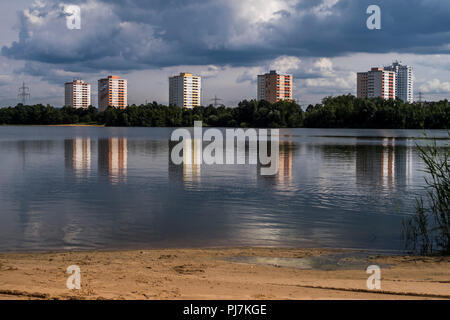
(222, 273)
(205, 126)
(73, 125)
(54, 125)
(383, 252)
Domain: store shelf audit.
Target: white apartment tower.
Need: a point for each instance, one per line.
(185, 90)
(403, 81)
(112, 92)
(376, 83)
(77, 94)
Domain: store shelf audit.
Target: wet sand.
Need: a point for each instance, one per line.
(241, 273)
(54, 125)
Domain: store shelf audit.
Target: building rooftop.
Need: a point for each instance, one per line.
(77, 81)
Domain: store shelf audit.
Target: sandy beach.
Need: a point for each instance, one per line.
(248, 273)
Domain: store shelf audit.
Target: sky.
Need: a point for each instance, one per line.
(322, 43)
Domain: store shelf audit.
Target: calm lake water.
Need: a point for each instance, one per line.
(65, 188)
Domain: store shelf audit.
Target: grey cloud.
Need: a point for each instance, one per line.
(137, 34)
(4, 80)
(126, 35)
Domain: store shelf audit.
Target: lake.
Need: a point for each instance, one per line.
(84, 188)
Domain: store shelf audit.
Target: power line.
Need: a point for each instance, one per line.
(216, 101)
(24, 93)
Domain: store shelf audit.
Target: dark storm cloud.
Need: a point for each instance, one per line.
(140, 34)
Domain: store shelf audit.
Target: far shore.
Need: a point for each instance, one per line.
(104, 126)
(53, 125)
(74, 125)
(233, 273)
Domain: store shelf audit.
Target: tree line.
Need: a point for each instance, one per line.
(334, 112)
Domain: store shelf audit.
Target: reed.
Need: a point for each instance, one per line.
(428, 231)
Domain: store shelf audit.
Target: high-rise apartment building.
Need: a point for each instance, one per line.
(112, 92)
(274, 87)
(403, 81)
(185, 90)
(77, 94)
(376, 83)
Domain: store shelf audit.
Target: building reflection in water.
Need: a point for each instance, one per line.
(283, 179)
(387, 169)
(190, 170)
(113, 158)
(285, 162)
(404, 165)
(192, 160)
(78, 155)
(389, 165)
